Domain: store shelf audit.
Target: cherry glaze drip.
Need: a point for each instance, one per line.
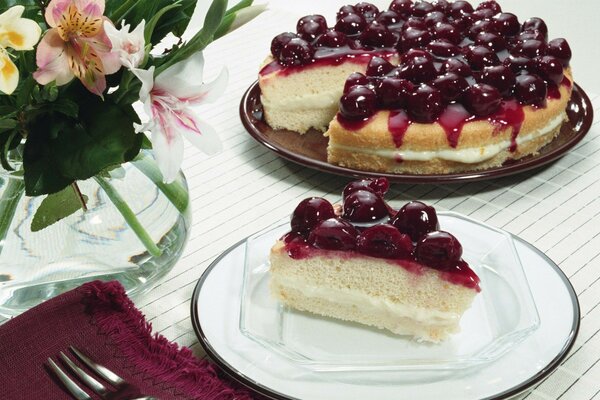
(452, 121)
(398, 123)
(463, 275)
(510, 115)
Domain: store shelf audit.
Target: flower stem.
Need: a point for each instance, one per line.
(129, 216)
(8, 206)
(75, 187)
(175, 191)
(122, 11)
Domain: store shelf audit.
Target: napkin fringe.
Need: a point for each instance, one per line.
(166, 364)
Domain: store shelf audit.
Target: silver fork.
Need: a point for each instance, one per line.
(122, 389)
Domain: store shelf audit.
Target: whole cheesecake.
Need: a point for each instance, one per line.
(367, 263)
(420, 88)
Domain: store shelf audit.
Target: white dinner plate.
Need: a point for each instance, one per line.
(509, 340)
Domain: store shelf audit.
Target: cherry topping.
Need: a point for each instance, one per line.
(416, 219)
(422, 8)
(332, 39)
(414, 22)
(379, 186)
(378, 35)
(518, 63)
(368, 10)
(560, 49)
(419, 69)
(433, 18)
(457, 66)
(364, 206)
(482, 13)
(451, 85)
(486, 25)
(550, 68)
(444, 30)
(379, 66)
(394, 93)
(414, 38)
(536, 24)
(309, 213)
(441, 5)
(491, 40)
(460, 8)
(425, 104)
(296, 52)
(507, 24)
(443, 48)
(529, 35)
(402, 7)
(333, 234)
(311, 26)
(281, 40)
(351, 24)
(439, 250)
(499, 76)
(482, 100)
(529, 48)
(480, 57)
(415, 53)
(359, 102)
(490, 5)
(344, 11)
(388, 17)
(531, 89)
(384, 241)
(355, 78)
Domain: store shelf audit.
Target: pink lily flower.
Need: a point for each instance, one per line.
(168, 101)
(76, 45)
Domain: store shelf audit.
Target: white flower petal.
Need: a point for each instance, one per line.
(9, 74)
(20, 34)
(168, 149)
(183, 79)
(207, 140)
(11, 14)
(209, 92)
(146, 76)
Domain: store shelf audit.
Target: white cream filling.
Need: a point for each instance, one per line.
(468, 156)
(372, 305)
(327, 99)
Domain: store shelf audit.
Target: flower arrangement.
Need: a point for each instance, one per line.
(70, 72)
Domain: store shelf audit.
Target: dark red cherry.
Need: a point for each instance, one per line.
(378, 35)
(480, 57)
(560, 49)
(413, 38)
(550, 68)
(445, 30)
(384, 241)
(402, 7)
(529, 48)
(441, 5)
(415, 53)
(279, 41)
(433, 18)
(486, 25)
(491, 40)
(355, 78)
(482, 100)
(499, 76)
(460, 8)
(439, 250)
(530, 89)
(451, 86)
(490, 5)
(481, 14)
(368, 10)
(309, 213)
(378, 185)
(311, 26)
(425, 104)
(528, 35)
(351, 24)
(344, 11)
(388, 18)
(443, 48)
(536, 24)
(414, 22)
(394, 92)
(422, 8)
(457, 66)
(359, 102)
(419, 69)
(333, 234)
(416, 219)
(518, 63)
(379, 66)
(364, 206)
(332, 39)
(296, 52)
(507, 24)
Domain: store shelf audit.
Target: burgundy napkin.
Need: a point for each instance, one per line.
(101, 320)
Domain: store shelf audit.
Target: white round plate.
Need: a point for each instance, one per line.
(216, 317)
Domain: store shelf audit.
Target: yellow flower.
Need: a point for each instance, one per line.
(17, 33)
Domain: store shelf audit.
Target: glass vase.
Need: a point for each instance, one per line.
(134, 230)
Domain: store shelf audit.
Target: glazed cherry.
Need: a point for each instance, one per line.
(481, 14)
(518, 63)
(536, 24)
(443, 48)
(499, 76)
(333, 234)
(439, 250)
(419, 69)
(433, 18)
(413, 38)
(359, 102)
(296, 52)
(378, 35)
(368, 10)
(486, 25)
(351, 24)
(281, 40)
(309, 213)
(491, 40)
(560, 49)
(422, 8)
(529, 48)
(344, 11)
(384, 241)
(355, 78)
(482, 100)
(378, 185)
(332, 39)
(311, 26)
(416, 219)
(490, 5)
(379, 66)
(531, 90)
(402, 7)
(441, 5)
(480, 57)
(425, 104)
(550, 68)
(388, 17)
(447, 31)
(393, 93)
(451, 86)
(507, 24)
(415, 53)
(528, 35)
(364, 206)
(460, 8)
(414, 22)
(457, 66)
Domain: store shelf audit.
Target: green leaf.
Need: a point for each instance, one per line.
(151, 25)
(24, 90)
(56, 207)
(239, 6)
(6, 124)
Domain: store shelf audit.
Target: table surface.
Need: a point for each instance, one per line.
(246, 188)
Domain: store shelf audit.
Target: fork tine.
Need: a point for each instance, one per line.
(104, 372)
(92, 383)
(71, 386)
